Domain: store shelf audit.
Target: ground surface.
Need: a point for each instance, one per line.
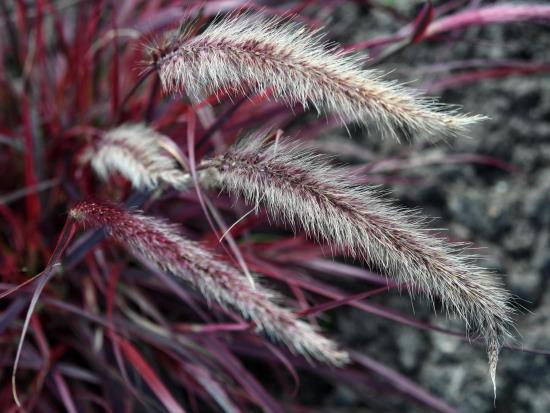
(507, 214)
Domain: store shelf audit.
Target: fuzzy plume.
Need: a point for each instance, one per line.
(140, 154)
(160, 243)
(252, 53)
(302, 189)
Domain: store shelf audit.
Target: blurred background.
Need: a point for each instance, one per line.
(502, 208)
(491, 189)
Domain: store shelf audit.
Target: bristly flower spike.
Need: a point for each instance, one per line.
(302, 189)
(251, 53)
(162, 245)
(140, 154)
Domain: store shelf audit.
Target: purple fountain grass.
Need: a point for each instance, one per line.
(251, 53)
(68, 76)
(138, 153)
(494, 13)
(302, 189)
(160, 243)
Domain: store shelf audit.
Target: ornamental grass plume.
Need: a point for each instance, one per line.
(138, 153)
(302, 189)
(160, 244)
(105, 324)
(251, 54)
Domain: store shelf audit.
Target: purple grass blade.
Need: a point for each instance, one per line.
(404, 384)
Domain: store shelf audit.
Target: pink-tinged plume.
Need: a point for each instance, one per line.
(251, 54)
(162, 245)
(302, 189)
(140, 154)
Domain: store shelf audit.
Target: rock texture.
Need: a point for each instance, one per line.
(505, 214)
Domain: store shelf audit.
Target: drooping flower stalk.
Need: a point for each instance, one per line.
(251, 53)
(304, 190)
(160, 243)
(138, 153)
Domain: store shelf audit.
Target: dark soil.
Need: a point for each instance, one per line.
(506, 214)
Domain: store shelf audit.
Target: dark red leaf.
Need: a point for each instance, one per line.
(422, 22)
(145, 370)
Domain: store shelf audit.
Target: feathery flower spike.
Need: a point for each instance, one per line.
(161, 244)
(302, 189)
(140, 154)
(252, 53)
